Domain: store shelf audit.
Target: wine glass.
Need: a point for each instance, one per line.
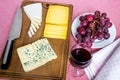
(80, 58)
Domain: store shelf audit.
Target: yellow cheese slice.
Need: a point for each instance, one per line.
(57, 15)
(55, 31)
(54, 35)
(56, 27)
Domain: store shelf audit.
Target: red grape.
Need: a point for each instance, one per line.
(102, 21)
(88, 30)
(95, 17)
(86, 39)
(107, 19)
(89, 43)
(108, 24)
(88, 34)
(84, 23)
(106, 35)
(99, 36)
(78, 28)
(78, 36)
(97, 13)
(89, 17)
(82, 18)
(99, 29)
(82, 31)
(106, 30)
(93, 37)
(93, 27)
(103, 15)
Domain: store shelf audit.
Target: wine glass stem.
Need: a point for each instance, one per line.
(75, 72)
(78, 72)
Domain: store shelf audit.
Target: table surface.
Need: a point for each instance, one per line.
(111, 7)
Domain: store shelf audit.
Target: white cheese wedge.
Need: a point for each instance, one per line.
(35, 24)
(31, 30)
(36, 54)
(33, 27)
(29, 34)
(34, 13)
(36, 20)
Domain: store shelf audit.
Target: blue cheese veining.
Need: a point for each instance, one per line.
(36, 54)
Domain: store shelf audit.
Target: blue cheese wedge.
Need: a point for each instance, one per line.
(36, 54)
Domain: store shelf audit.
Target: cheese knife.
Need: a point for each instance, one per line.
(14, 34)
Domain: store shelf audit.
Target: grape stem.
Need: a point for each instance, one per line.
(93, 32)
(99, 23)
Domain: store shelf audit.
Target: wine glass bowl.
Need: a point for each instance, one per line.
(80, 58)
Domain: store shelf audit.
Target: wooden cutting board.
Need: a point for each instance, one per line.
(55, 69)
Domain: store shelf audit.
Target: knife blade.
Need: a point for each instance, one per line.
(14, 34)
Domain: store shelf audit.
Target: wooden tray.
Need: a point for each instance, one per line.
(55, 69)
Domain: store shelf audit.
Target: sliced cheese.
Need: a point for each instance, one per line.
(59, 36)
(56, 27)
(56, 22)
(55, 31)
(29, 34)
(35, 24)
(53, 34)
(33, 27)
(57, 15)
(34, 13)
(31, 30)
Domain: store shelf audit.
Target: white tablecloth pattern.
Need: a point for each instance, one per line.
(100, 58)
(111, 70)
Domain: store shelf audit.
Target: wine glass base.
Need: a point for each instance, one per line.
(74, 72)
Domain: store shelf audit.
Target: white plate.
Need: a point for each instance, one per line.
(98, 43)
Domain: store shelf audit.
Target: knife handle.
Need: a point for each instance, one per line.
(7, 54)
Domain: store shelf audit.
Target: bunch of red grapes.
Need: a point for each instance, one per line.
(92, 27)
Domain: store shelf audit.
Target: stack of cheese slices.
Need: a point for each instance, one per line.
(56, 22)
(34, 13)
(36, 54)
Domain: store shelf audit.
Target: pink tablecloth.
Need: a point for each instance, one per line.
(8, 8)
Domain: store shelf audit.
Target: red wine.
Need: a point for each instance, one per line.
(80, 57)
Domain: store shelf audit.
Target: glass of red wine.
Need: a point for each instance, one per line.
(80, 58)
